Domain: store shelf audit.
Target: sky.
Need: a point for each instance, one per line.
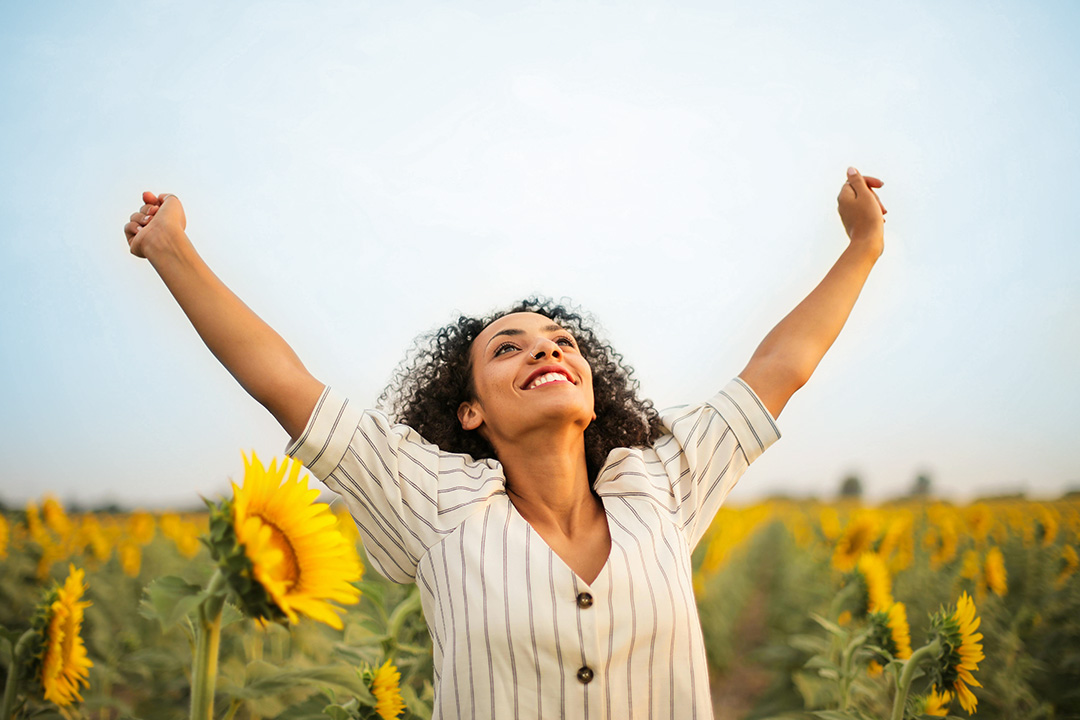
(360, 173)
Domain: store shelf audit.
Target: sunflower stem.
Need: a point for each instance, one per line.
(845, 667)
(11, 687)
(904, 683)
(207, 645)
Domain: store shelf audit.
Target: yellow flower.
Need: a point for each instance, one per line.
(969, 567)
(1070, 562)
(979, 518)
(875, 576)
(858, 537)
(291, 547)
(1046, 528)
(385, 686)
(130, 557)
(829, 521)
(899, 631)
(961, 652)
(889, 631)
(55, 517)
(91, 536)
(64, 664)
(942, 538)
(140, 527)
(183, 533)
(898, 545)
(4, 534)
(188, 540)
(935, 704)
(994, 572)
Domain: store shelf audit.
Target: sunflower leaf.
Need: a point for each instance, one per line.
(828, 625)
(264, 679)
(169, 600)
(808, 643)
(835, 715)
(821, 663)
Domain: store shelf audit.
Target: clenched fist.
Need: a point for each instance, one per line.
(860, 209)
(158, 222)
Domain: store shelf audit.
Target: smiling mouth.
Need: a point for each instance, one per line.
(547, 378)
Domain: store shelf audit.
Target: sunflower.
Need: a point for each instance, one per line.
(899, 631)
(858, 537)
(140, 527)
(386, 687)
(64, 664)
(898, 544)
(1046, 526)
(280, 550)
(130, 557)
(4, 533)
(994, 572)
(935, 704)
(1069, 562)
(875, 576)
(889, 631)
(961, 651)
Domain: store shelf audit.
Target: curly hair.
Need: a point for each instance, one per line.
(435, 377)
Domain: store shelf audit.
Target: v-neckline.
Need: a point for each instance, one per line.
(559, 558)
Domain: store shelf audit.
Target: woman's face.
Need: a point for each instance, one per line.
(527, 374)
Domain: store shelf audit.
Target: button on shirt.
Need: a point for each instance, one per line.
(515, 632)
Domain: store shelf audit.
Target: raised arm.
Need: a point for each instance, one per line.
(788, 355)
(260, 360)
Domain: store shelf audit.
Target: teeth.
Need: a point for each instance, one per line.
(544, 379)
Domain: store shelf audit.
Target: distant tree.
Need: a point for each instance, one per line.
(922, 486)
(851, 488)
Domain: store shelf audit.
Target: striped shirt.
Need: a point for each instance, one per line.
(515, 632)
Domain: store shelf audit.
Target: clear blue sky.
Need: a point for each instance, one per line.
(358, 172)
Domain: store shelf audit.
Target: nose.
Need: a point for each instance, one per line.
(545, 347)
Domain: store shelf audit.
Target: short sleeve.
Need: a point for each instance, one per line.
(709, 447)
(403, 492)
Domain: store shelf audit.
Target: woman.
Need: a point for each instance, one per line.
(551, 546)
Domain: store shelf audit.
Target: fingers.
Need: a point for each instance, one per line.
(860, 184)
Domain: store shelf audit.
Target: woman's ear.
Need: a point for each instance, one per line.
(469, 416)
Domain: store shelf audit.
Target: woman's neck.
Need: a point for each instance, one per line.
(548, 481)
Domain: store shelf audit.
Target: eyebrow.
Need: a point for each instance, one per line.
(516, 331)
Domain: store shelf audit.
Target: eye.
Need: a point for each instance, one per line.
(565, 340)
(502, 349)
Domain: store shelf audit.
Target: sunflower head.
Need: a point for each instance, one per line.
(994, 574)
(935, 704)
(874, 578)
(386, 687)
(281, 551)
(1068, 564)
(61, 665)
(858, 538)
(890, 632)
(4, 534)
(961, 651)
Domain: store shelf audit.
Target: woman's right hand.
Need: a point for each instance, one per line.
(158, 221)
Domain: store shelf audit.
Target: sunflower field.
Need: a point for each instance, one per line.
(260, 607)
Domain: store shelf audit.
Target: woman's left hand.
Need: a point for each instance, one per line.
(860, 208)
